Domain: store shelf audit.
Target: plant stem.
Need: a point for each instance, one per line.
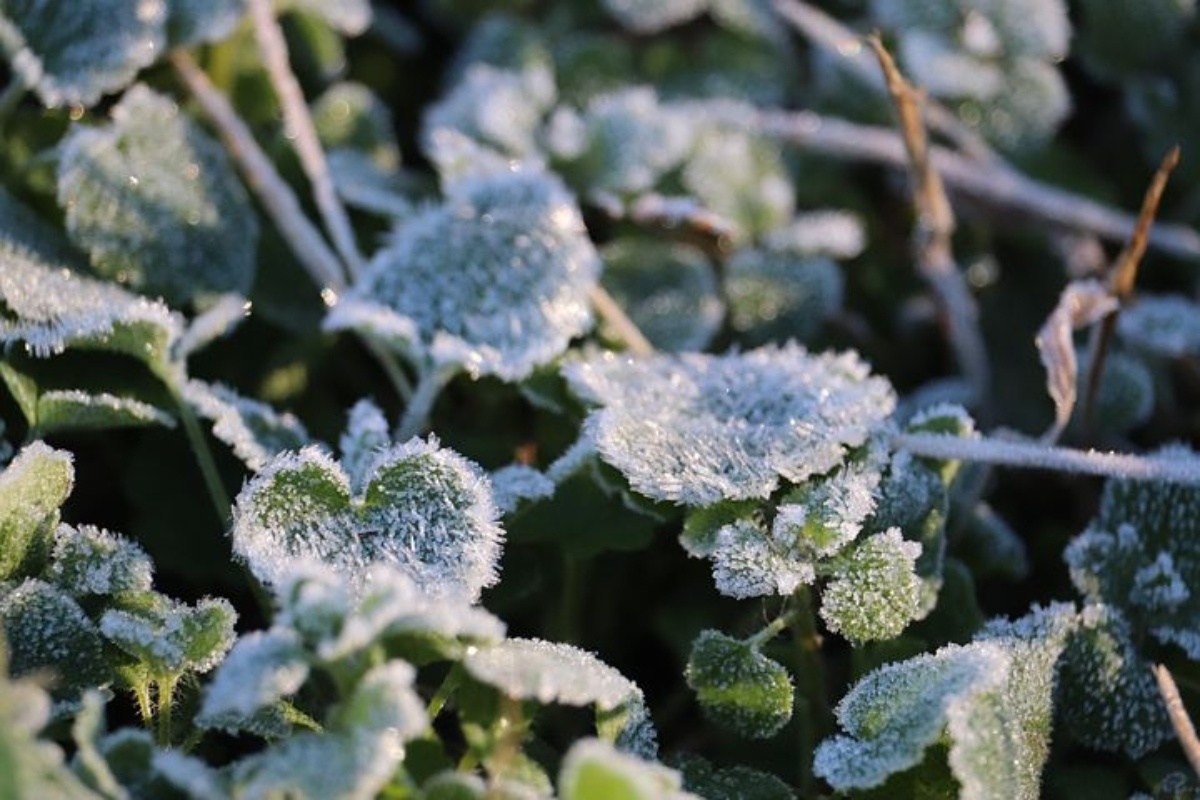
(772, 630)
(444, 693)
(420, 405)
(570, 602)
(11, 96)
(166, 705)
(141, 693)
(1033, 455)
(1180, 720)
(813, 715)
(303, 132)
(391, 367)
(204, 458)
(612, 313)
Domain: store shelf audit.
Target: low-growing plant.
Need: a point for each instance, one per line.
(401, 344)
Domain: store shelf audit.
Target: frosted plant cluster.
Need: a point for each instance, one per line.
(1163, 325)
(253, 430)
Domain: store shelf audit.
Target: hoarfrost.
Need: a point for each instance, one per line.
(837, 234)
(217, 320)
(749, 561)
(32, 489)
(497, 107)
(261, 669)
(738, 687)
(517, 483)
(384, 702)
(44, 628)
(90, 561)
(171, 637)
(1166, 325)
(365, 437)
(314, 766)
(875, 591)
(71, 409)
(778, 296)
(256, 432)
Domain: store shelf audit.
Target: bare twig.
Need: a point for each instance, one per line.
(300, 125)
(612, 313)
(831, 35)
(935, 227)
(994, 185)
(276, 196)
(1124, 275)
(1180, 720)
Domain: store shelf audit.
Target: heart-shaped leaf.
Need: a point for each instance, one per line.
(738, 687)
(423, 508)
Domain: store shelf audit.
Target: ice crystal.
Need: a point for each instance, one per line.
(169, 637)
(593, 769)
(738, 687)
(261, 669)
(72, 53)
(652, 16)
(192, 22)
(875, 591)
(500, 108)
(90, 561)
(517, 483)
(1166, 325)
(256, 432)
(50, 309)
(71, 409)
(773, 297)
(32, 489)
(157, 203)
(836, 234)
(494, 280)
(698, 429)
(46, 629)
(749, 561)
(424, 509)
(365, 437)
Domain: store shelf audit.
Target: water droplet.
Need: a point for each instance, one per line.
(329, 297)
(133, 180)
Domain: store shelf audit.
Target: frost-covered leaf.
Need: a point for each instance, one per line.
(835, 234)
(25, 231)
(775, 297)
(731, 783)
(425, 509)
(990, 546)
(70, 409)
(500, 108)
(698, 429)
(156, 202)
(72, 53)
(594, 770)
(383, 702)
(518, 483)
(366, 436)
(652, 16)
(261, 669)
(216, 321)
(199, 21)
(1124, 397)
(495, 280)
(669, 290)
(1165, 325)
(32, 489)
(50, 309)
(550, 672)
(875, 591)
(738, 687)
(351, 17)
(1109, 700)
(46, 629)
(87, 728)
(363, 184)
(171, 638)
(314, 766)
(256, 432)
(89, 561)
(350, 117)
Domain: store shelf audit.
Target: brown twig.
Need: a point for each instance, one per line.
(625, 328)
(1180, 720)
(1123, 276)
(933, 248)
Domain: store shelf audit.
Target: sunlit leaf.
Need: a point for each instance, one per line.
(170, 637)
(593, 770)
(261, 669)
(875, 591)
(198, 21)
(89, 561)
(32, 489)
(738, 687)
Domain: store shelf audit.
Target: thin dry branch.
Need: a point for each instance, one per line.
(935, 228)
(993, 185)
(303, 132)
(612, 313)
(1180, 720)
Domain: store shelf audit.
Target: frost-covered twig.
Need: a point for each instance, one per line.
(276, 196)
(996, 186)
(1125, 466)
(846, 46)
(1180, 720)
(572, 459)
(615, 316)
(935, 227)
(420, 404)
(300, 125)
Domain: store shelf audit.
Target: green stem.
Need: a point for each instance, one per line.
(420, 406)
(11, 96)
(444, 692)
(166, 705)
(570, 602)
(204, 457)
(141, 692)
(772, 630)
(391, 367)
(813, 714)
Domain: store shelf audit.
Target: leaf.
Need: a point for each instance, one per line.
(515, 484)
(312, 766)
(494, 281)
(593, 770)
(499, 108)
(191, 22)
(350, 118)
(23, 230)
(383, 702)
(157, 204)
(1163, 325)
(256, 432)
(350, 17)
(875, 591)
(365, 438)
(364, 185)
(69, 409)
(1124, 398)
(738, 687)
(652, 16)
(32, 489)
(87, 561)
(775, 297)
(730, 783)
(261, 669)
(72, 53)
(699, 429)
(668, 290)
(171, 638)
(50, 309)
(831, 233)
(424, 509)
(47, 630)
(216, 321)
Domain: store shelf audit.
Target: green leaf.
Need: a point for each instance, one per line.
(191, 22)
(701, 526)
(255, 431)
(875, 592)
(71, 410)
(171, 638)
(46, 629)
(88, 561)
(72, 53)
(593, 770)
(349, 117)
(775, 297)
(738, 687)
(32, 489)
(424, 509)
(730, 783)
(157, 204)
(383, 702)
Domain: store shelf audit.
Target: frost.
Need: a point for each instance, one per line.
(261, 669)
(72, 53)
(351, 17)
(189, 775)
(90, 561)
(517, 483)
(495, 280)
(668, 289)
(256, 432)
(350, 118)
(593, 769)
(837, 234)
(365, 437)
(46, 629)
(313, 766)
(731, 783)
(364, 185)
(171, 638)
(774, 297)
(698, 429)
(1166, 325)
(51, 309)
(652, 16)
(424, 509)
(550, 672)
(216, 321)
(384, 702)
(499, 108)
(71, 409)
(156, 202)
(199, 21)
(738, 687)
(32, 489)
(1125, 396)
(875, 591)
